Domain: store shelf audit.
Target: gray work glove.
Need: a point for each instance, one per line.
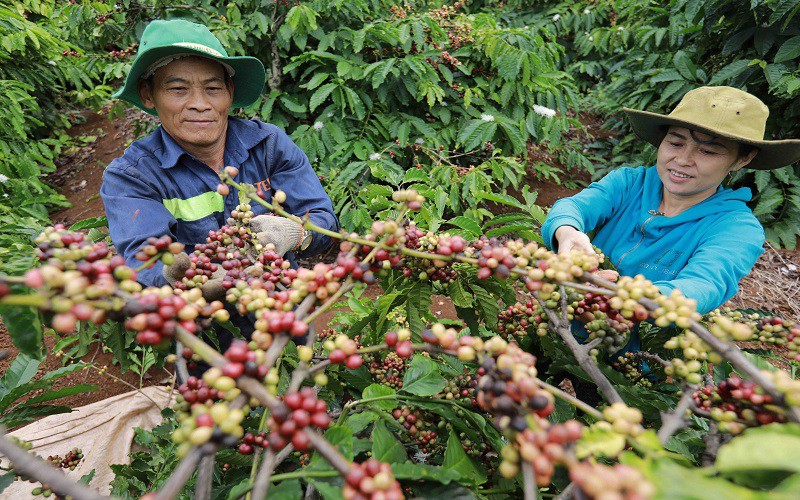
(284, 233)
(212, 289)
(175, 271)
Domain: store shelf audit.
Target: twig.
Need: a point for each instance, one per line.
(562, 327)
(327, 451)
(42, 471)
(184, 471)
(180, 362)
(529, 481)
(714, 440)
(568, 493)
(676, 420)
(577, 403)
(734, 356)
(271, 460)
(653, 357)
(205, 478)
(247, 384)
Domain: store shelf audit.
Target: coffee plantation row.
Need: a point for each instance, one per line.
(396, 405)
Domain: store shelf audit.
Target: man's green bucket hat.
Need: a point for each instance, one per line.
(163, 39)
(722, 112)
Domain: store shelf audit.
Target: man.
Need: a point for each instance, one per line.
(166, 184)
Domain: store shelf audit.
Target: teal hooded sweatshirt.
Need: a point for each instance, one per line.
(703, 251)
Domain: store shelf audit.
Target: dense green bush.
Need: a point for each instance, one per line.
(378, 95)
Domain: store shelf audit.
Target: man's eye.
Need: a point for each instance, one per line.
(708, 152)
(675, 144)
(177, 88)
(215, 89)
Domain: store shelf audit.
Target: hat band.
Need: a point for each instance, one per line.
(150, 71)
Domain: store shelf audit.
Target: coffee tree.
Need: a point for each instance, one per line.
(390, 403)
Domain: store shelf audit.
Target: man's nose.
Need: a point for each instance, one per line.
(198, 100)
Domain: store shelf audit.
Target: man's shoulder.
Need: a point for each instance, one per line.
(252, 130)
(142, 153)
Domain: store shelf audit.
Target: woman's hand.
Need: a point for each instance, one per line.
(570, 238)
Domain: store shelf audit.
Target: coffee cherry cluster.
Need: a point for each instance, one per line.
(694, 351)
(630, 365)
(725, 328)
(157, 312)
(388, 371)
(163, 248)
(421, 430)
(372, 480)
(493, 259)
(756, 327)
(241, 361)
(566, 266)
(191, 358)
(517, 319)
(787, 385)
(675, 309)
(342, 349)
(607, 322)
(196, 391)
(620, 481)
(79, 279)
(400, 341)
(440, 270)
(473, 449)
(250, 441)
(217, 422)
(411, 199)
(465, 347)
(302, 409)
(462, 388)
(70, 460)
(736, 399)
(622, 419)
(508, 388)
(543, 448)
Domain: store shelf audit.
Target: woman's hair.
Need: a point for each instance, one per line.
(744, 149)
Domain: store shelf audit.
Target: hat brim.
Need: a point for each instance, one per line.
(651, 127)
(248, 80)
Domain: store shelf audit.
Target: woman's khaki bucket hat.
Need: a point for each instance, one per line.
(722, 112)
(177, 37)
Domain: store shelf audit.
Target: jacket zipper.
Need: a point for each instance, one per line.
(653, 215)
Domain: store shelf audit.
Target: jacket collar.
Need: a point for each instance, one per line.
(242, 136)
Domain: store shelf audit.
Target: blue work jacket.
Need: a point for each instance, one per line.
(156, 188)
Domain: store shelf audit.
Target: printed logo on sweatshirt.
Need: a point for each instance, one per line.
(668, 258)
(264, 185)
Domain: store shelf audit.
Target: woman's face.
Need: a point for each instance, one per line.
(692, 170)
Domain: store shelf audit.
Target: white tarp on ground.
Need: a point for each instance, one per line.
(102, 430)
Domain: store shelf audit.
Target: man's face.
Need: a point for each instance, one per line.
(192, 100)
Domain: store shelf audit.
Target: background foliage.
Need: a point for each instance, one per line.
(647, 55)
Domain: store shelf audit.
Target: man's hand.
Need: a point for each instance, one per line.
(570, 239)
(283, 233)
(175, 271)
(212, 289)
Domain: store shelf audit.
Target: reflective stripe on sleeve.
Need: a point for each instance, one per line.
(196, 207)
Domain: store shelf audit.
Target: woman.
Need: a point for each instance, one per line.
(675, 223)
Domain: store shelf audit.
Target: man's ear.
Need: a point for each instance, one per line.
(145, 95)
